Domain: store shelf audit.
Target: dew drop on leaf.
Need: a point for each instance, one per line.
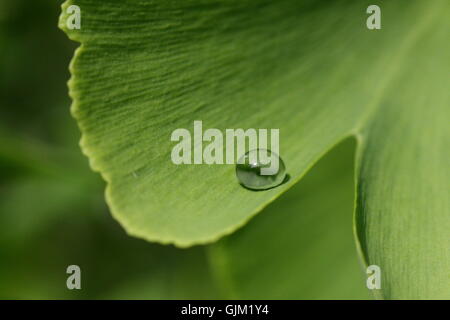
(260, 169)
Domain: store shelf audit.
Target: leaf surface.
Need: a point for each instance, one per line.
(310, 68)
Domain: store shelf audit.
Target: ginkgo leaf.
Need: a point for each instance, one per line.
(311, 69)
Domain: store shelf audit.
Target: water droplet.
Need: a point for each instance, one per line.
(260, 169)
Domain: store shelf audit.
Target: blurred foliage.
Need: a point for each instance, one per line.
(52, 210)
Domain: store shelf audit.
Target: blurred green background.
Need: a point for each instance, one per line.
(53, 214)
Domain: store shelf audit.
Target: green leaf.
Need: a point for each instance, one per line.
(311, 69)
(300, 246)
